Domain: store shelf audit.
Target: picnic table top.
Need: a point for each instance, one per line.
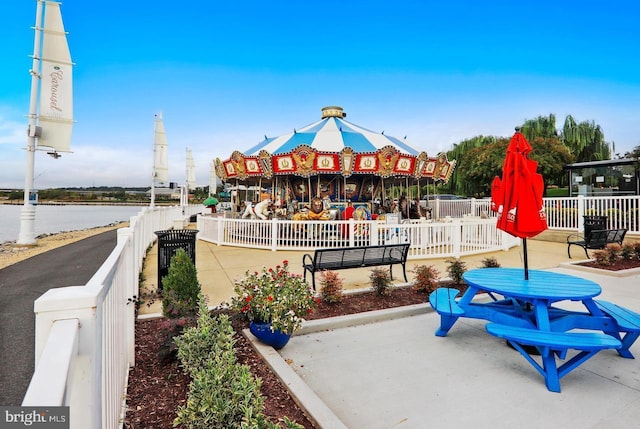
(545, 285)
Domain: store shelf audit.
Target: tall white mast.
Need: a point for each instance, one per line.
(28, 213)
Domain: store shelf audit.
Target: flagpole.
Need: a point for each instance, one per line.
(28, 212)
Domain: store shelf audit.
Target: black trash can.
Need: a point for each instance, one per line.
(593, 223)
(169, 242)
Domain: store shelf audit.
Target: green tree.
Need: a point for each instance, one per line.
(542, 126)
(483, 163)
(585, 140)
(459, 153)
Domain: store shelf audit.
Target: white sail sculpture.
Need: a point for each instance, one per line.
(160, 157)
(50, 114)
(191, 171)
(56, 97)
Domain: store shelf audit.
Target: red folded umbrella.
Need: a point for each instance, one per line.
(520, 194)
(497, 194)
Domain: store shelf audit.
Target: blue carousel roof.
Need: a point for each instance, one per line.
(331, 134)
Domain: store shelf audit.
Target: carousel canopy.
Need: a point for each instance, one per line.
(333, 146)
(331, 134)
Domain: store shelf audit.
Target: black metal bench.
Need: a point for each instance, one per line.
(596, 239)
(356, 257)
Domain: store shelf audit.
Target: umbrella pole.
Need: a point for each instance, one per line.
(526, 261)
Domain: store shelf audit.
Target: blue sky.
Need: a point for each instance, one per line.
(225, 74)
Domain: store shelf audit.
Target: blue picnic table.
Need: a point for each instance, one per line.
(523, 313)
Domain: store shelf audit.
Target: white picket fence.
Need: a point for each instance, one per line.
(453, 237)
(85, 334)
(563, 213)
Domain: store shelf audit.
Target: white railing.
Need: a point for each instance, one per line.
(85, 334)
(567, 213)
(428, 239)
(441, 209)
(562, 212)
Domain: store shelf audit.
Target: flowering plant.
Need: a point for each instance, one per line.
(275, 296)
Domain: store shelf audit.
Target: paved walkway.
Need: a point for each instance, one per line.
(20, 285)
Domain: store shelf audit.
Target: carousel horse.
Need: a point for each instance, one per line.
(261, 210)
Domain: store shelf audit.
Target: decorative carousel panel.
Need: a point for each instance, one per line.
(366, 163)
(420, 164)
(220, 170)
(252, 167)
(327, 163)
(404, 165)
(387, 157)
(265, 164)
(230, 169)
(439, 168)
(304, 157)
(346, 161)
(283, 164)
(237, 161)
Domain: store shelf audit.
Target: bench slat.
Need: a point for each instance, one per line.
(443, 301)
(554, 340)
(628, 320)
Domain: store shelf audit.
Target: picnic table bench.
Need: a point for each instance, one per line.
(551, 344)
(596, 239)
(356, 257)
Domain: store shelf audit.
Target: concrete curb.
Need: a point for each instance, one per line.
(620, 273)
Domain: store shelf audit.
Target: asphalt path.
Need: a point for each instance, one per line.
(20, 285)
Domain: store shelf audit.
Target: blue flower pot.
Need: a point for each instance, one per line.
(262, 331)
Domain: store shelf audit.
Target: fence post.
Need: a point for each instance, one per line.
(456, 237)
(373, 233)
(84, 391)
(581, 212)
(274, 234)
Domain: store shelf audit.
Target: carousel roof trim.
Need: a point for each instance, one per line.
(331, 134)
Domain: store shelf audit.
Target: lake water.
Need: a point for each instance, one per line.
(53, 219)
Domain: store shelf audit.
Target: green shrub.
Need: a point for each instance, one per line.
(381, 281)
(490, 262)
(211, 337)
(331, 286)
(627, 252)
(601, 257)
(636, 248)
(180, 287)
(427, 278)
(456, 268)
(613, 251)
(222, 394)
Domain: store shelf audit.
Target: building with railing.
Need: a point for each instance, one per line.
(85, 334)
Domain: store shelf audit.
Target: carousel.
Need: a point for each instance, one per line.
(329, 164)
